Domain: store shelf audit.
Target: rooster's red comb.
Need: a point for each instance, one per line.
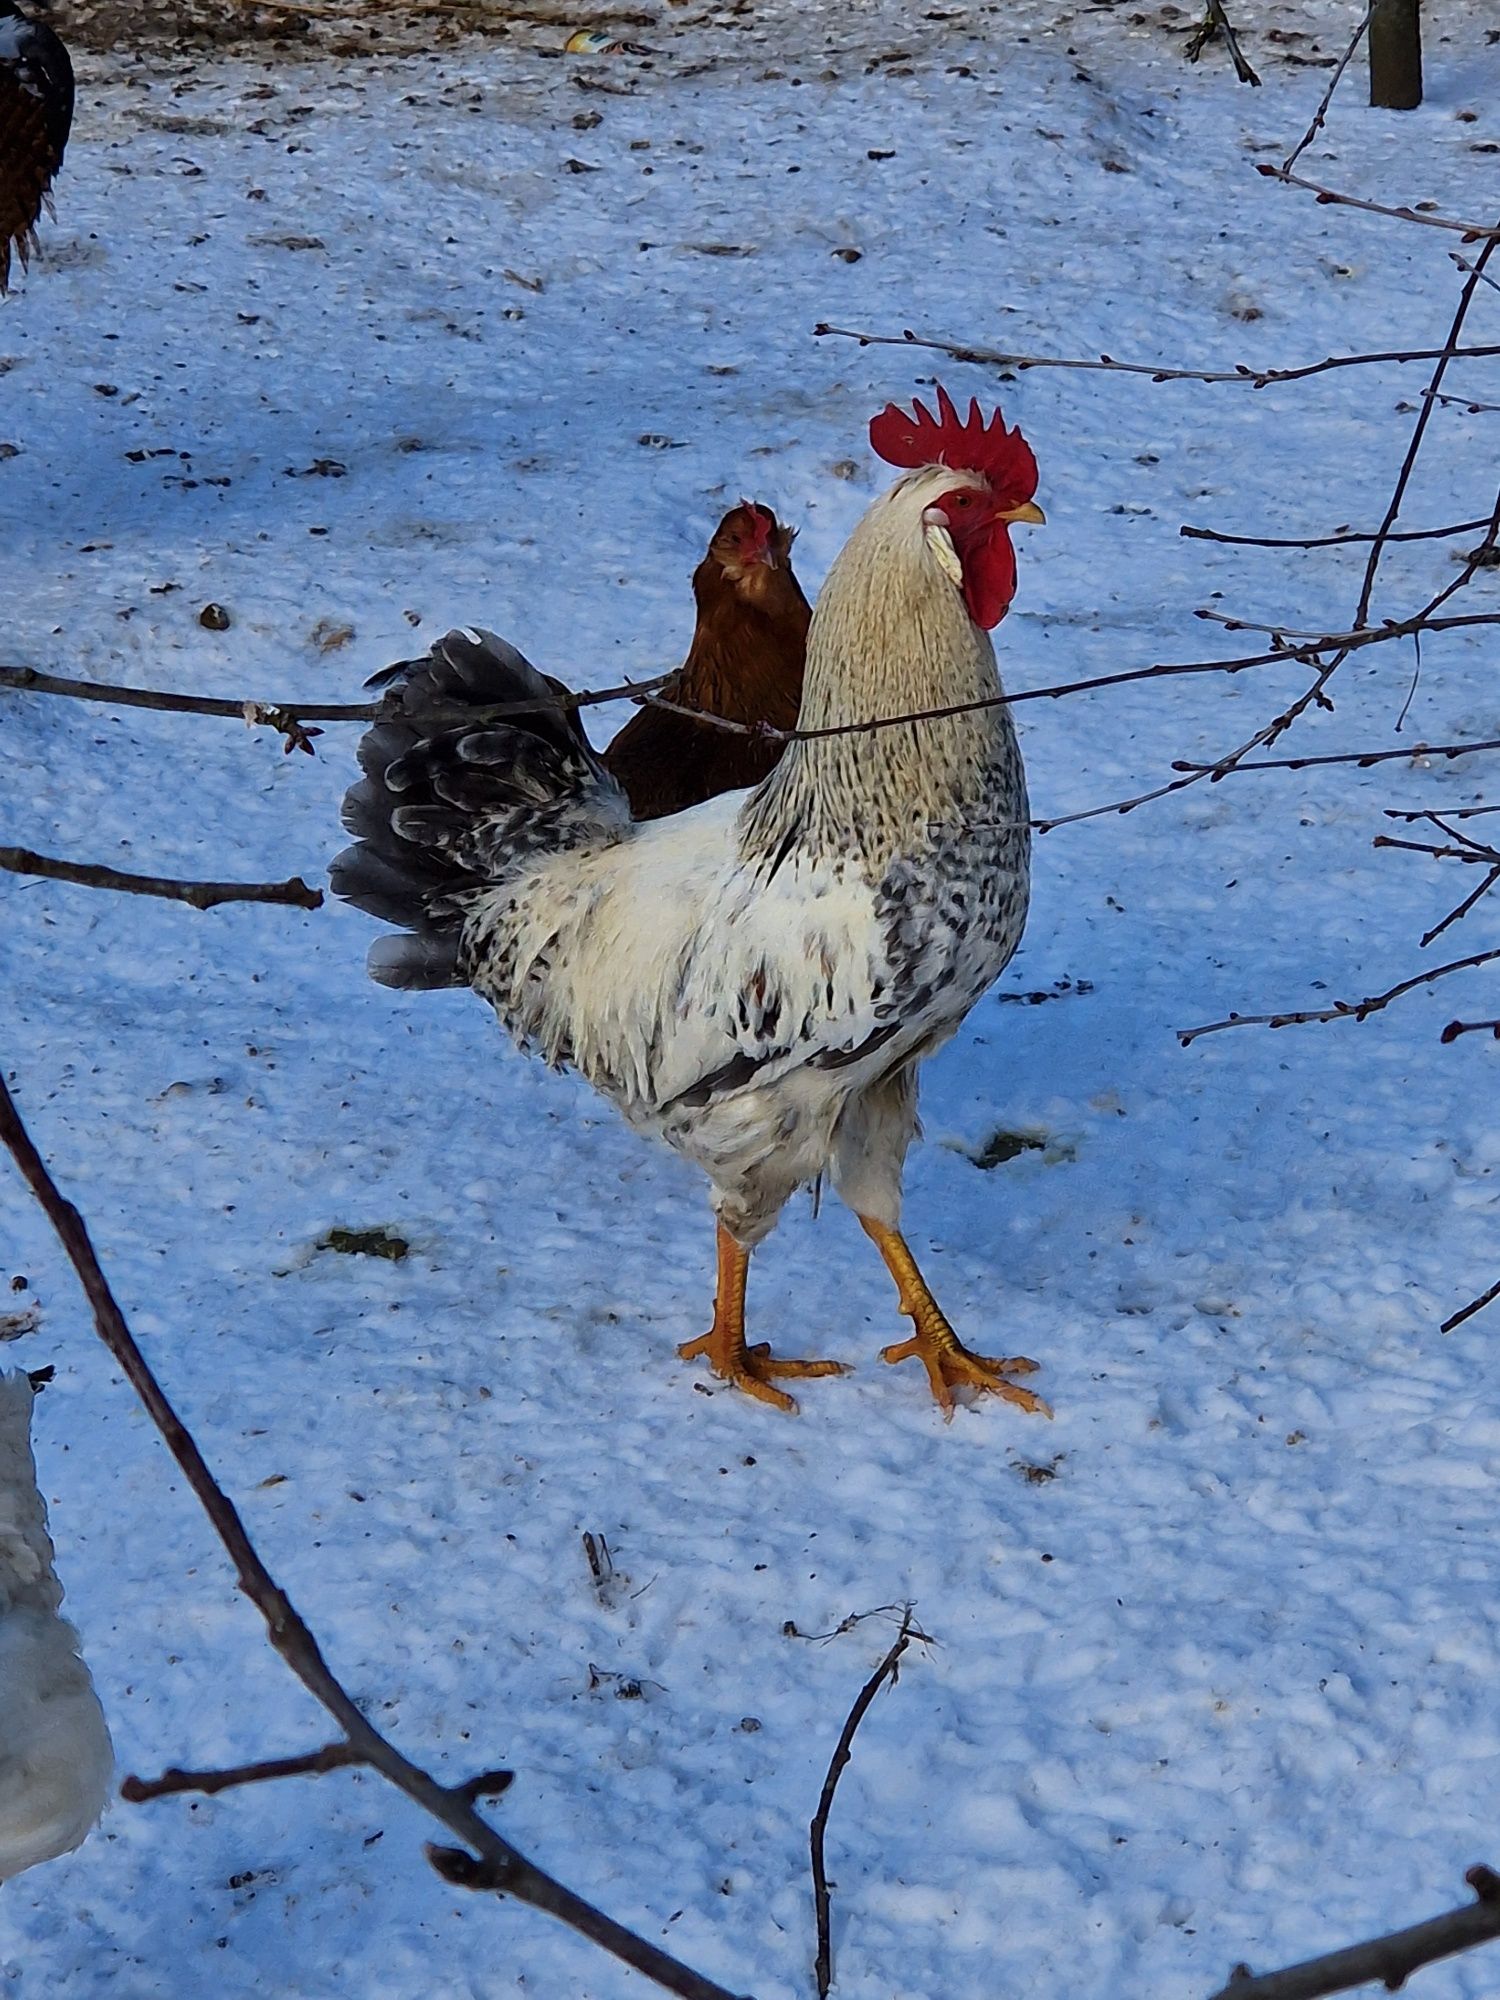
(964, 444)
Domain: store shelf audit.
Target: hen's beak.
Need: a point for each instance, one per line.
(1029, 512)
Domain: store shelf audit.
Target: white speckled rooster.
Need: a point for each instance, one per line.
(757, 979)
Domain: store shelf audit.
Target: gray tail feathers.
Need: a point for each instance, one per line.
(448, 808)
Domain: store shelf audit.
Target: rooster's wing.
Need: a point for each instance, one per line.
(673, 973)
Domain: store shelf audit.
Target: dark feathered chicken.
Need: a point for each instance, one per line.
(745, 662)
(36, 114)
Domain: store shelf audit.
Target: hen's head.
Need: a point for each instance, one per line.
(750, 538)
(973, 481)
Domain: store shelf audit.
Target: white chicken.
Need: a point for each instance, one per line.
(55, 1755)
(754, 980)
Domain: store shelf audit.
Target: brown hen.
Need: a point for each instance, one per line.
(745, 663)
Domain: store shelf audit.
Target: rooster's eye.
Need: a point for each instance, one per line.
(961, 500)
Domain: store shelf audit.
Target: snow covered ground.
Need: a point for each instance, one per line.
(361, 350)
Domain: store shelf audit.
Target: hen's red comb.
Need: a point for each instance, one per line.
(964, 444)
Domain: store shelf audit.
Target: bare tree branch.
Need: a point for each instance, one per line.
(1466, 849)
(1457, 914)
(1341, 1010)
(1449, 812)
(1305, 652)
(1279, 655)
(1315, 694)
(1418, 432)
(1363, 758)
(200, 895)
(1389, 1960)
(1488, 1297)
(288, 717)
(332, 1757)
(1334, 541)
(1464, 265)
(888, 1670)
(1320, 116)
(1466, 403)
(1360, 635)
(503, 1866)
(1456, 1028)
(1254, 378)
(1473, 232)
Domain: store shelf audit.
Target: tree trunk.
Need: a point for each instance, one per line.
(1396, 54)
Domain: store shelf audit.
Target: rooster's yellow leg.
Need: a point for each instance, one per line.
(948, 1362)
(752, 1369)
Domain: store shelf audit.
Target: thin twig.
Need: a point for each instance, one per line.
(1464, 265)
(1363, 758)
(845, 1625)
(1390, 1961)
(282, 715)
(1333, 541)
(1360, 635)
(1481, 556)
(1320, 115)
(289, 716)
(1465, 403)
(1315, 694)
(1461, 910)
(1419, 431)
(505, 1868)
(1165, 669)
(1474, 232)
(1341, 1010)
(1310, 645)
(1254, 378)
(1423, 847)
(332, 1757)
(200, 895)
(888, 1670)
(1449, 812)
(1489, 1296)
(1455, 1029)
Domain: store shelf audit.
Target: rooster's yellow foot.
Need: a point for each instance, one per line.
(753, 1369)
(948, 1362)
(951, 1366)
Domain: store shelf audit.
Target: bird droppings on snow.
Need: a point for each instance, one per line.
(366, 1243)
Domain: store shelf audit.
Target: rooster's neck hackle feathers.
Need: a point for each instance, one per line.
(890, 636)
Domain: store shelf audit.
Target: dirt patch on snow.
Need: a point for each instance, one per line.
(331, 26)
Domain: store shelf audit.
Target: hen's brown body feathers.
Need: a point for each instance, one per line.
(746, 662)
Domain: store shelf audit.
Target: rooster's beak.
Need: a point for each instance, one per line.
(1028, 512)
